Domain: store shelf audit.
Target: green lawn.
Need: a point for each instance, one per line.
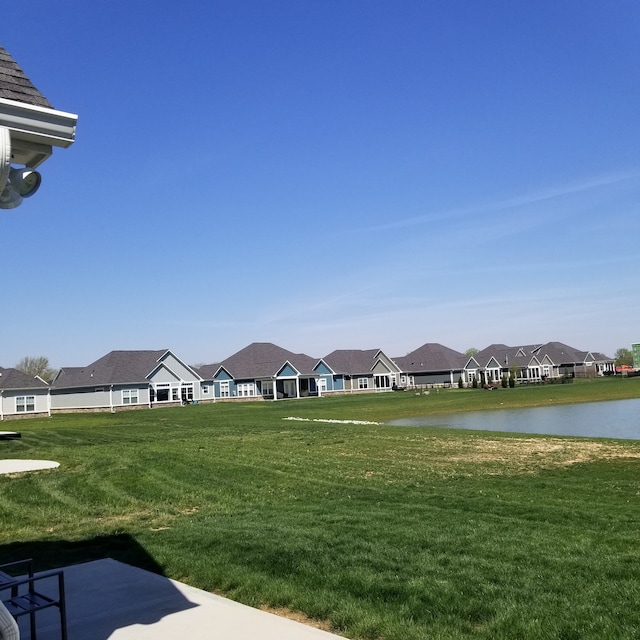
(379, 532)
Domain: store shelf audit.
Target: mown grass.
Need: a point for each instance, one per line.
(377, 531)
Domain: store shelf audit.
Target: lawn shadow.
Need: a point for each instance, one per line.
(111, 582)
(61, 553)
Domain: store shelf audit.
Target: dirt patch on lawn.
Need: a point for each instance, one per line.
(283, 612)
(530, 454)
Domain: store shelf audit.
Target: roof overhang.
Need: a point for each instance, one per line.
(35, 131)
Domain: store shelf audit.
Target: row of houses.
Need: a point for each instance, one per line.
(265, 371)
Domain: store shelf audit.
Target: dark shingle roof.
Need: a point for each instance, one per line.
(264, 360)
(207, 371)
(117, 367)
(352, 361)
(14, 84)
(14, 379)
(431, 357)
(558, 352)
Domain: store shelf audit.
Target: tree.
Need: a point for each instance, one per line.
(623, 356)
(36, 367)
(471, 351)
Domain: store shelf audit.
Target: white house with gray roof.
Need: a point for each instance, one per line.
(262, 370)
(361, 370)
(126, 379)
(537, 362)
(22, 395)
(431, 364)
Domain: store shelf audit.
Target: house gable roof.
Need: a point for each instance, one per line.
(14, 84)
(116, 367)
(431, 356)
(13, 379)
(207, 371)
(556, 353)
(352, 361)
(265, 360)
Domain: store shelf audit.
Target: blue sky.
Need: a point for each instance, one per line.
(327, 174)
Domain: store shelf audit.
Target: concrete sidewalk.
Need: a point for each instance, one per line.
(107, 599)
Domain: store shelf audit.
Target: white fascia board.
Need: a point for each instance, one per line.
(46, 126)
(35, 130)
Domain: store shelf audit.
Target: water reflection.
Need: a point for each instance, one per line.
(613, 419)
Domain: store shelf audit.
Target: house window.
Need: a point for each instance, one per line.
(25, 403)
(205, 389)
(363, 383)
(174, 394)
(224, 389)
(187, 393)
(246, 389)
(382, 382)
(267, 388)
(130, 396)
(162, 392)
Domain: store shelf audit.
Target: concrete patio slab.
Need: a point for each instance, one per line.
(20, 466)
(107, 599)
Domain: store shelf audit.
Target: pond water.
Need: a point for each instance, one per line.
(612, 419)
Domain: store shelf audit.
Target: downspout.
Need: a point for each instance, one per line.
(1, 405)
(111, 399)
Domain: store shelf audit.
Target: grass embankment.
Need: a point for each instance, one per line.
(378, 532)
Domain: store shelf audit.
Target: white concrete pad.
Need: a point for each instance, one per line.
(110, 600)
(19, 466)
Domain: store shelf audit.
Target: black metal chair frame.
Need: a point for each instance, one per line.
(24, 597)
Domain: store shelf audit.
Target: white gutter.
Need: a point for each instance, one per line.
(35, 130)
(38, 124)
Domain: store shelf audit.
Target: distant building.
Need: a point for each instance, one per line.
(635, 349)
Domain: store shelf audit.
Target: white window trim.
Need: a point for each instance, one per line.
(130, 396)
(23, 403)
(246, 389)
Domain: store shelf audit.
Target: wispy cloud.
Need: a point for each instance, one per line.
(524, 200)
